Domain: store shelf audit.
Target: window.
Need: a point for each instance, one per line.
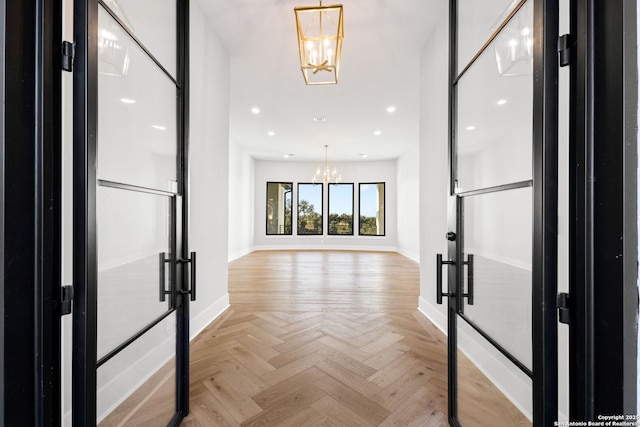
(340, 209)
(371, 211)
(279, 215)
(309, 209)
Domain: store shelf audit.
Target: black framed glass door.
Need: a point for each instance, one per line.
(130, 327)
(502, 252)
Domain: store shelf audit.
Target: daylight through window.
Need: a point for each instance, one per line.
(310, 209)
(371, 215)
(340, 209)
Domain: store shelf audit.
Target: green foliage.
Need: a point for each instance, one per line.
(287, 215)
(340, 224)
(309, 221)
(368, 225)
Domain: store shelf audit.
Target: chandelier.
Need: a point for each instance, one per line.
(320, 35)
(326, 175)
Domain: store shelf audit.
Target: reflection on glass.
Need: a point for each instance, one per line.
(371, 215)
(153, 22)
(477, 21)
(279, 214)
(310, 209)
(494, 129)
(514, 45)
(150, 361)
(480, 402)
(137, 134)
(340, 209)
(498, 229)
(133, 229)
(113, 50)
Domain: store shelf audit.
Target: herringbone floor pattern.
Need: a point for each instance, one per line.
(310, 368)
(321, 338)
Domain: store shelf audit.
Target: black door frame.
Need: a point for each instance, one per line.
(604, 33)
(603, 294)
(85, 182)
(544, 374)
(30, 218)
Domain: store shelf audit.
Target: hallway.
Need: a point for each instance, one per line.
(320, 338)
(328, 338)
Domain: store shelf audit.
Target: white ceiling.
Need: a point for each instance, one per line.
(379, 68)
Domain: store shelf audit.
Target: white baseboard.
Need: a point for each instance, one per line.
(411, 255)
(208, 315)
(502, 373)
(130, 371)
(436, 316)
(239, 254)
(325, 247)
(144, 366)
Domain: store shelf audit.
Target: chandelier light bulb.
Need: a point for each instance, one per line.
(327, 174)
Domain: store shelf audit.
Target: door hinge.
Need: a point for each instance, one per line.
(66, 300)
(565, 45)
(562, 303)
(68, 55)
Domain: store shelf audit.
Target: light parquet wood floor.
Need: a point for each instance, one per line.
(324, 338)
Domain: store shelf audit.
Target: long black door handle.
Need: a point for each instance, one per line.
(162, 290)
(439, 264)
(193, 276)
(469, 294)
(192, 261)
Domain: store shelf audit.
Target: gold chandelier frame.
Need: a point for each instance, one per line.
(319, 49)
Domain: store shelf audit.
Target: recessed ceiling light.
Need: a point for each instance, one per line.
(127, 101)
(320, 119)
(255, 110)
(271, 133)
(159, 127)
(364, 156)
(470, 127)
(286, 156)
(377, 133)
(391, 109)
(502, 101)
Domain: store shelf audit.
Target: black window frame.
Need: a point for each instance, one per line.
(266, 218)
(329, 233)
(384, 208)
(298, 233)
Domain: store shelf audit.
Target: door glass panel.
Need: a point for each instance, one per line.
(477, 21)
(137, 113)
(494, 127)
(133, 229)
(480, 402)
(498, 230)
(153, 22)
(126, 394)
(310, 209)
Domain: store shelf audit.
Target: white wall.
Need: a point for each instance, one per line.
(352, 172)
(408, 166)
(209, 173)
(434, 166)
(241, 201)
